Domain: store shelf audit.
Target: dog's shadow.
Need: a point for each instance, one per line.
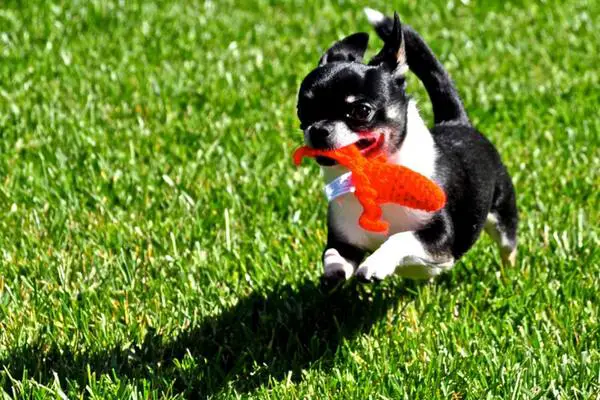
(270, 335)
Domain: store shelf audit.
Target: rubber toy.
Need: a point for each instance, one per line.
(376, 182)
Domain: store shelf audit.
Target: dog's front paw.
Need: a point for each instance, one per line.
(336, 267)
(333, 278)
(339, 271)
(372, 273)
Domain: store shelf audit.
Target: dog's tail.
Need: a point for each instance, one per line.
(447, 106)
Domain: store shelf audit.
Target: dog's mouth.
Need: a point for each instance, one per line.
(369, 146)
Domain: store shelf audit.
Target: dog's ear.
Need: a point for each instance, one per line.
(393, 54)
(351, 48)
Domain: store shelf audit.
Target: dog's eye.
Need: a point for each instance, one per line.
(360, 112)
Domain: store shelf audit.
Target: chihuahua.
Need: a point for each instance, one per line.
(345, 101)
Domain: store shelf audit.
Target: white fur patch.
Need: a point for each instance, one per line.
(494, 230)
(402, 253)
(393, 112)
(418, 151)
(375, 17)
(507, 246)
(401, 70)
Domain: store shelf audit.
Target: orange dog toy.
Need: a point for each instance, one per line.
(378, 182)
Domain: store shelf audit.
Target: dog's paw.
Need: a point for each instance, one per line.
(370, 273)
(336, 267)
(333, 278)
(337, 271)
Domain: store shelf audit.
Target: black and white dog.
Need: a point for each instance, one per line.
(345, 101)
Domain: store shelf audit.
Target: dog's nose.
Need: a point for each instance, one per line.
(319, 135)
(319, 130)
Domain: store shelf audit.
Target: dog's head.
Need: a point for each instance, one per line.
(344, 101)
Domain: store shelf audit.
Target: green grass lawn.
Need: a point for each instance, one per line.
(156, 241)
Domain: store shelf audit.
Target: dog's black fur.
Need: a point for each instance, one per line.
(474, 178)
(467, 166)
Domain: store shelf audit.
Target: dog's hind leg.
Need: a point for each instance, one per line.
(503, 219)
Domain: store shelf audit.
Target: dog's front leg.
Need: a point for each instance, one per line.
(340, 259)
(410, 254)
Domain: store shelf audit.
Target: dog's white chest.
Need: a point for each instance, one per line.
(418, 153)
(346, 210)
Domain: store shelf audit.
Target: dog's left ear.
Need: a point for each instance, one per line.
(393, 54)
(351, 48)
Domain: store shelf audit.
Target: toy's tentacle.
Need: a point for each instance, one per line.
(367, 195)
(373, 225)
(302, 152)
(346, 156)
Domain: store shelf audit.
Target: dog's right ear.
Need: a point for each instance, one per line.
(351, 48)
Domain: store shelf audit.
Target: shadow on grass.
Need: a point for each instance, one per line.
(272, 335)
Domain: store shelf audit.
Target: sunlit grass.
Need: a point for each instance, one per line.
(155, 240)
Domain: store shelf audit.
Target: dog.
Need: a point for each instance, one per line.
(345, 101)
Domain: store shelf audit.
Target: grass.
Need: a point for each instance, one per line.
(156, 242)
